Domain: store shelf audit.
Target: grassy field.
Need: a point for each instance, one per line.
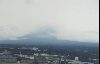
(12, 63)
(6, 63)
(22, 62)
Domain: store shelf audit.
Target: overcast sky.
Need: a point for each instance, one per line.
(70, 19)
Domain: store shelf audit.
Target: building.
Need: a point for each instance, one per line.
(76, 61)
(6, 56)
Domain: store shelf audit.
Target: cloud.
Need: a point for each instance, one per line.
(72, 19)
(46, 32)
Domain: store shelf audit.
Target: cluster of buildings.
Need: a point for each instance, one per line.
(52, 59)
(76, 61)
(6, 56)
(40, 58)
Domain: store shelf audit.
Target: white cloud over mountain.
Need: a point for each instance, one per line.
(71, 19)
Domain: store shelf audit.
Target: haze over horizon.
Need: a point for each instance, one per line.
(76, 20)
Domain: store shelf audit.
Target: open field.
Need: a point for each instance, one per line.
(13, 63)
(6, 63)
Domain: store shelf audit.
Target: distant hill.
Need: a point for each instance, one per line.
(45, 37)
(48, 42)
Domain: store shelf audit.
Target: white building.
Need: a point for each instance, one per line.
(76, 61)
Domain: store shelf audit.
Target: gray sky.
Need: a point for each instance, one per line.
(70, 19)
